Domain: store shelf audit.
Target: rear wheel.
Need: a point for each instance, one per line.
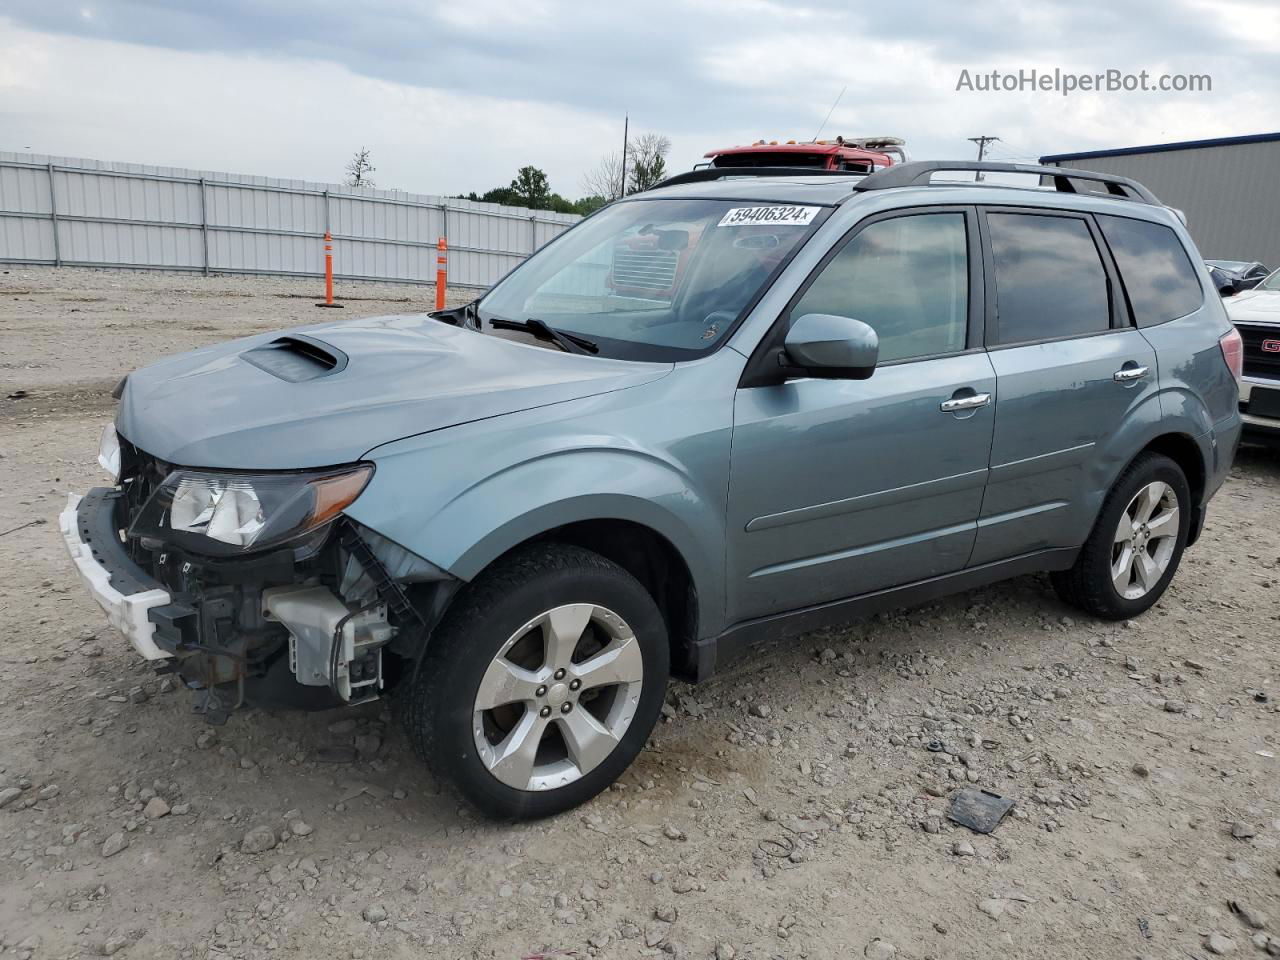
(1136, 545)
(543, 682)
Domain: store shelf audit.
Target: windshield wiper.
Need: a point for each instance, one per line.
(568, 342)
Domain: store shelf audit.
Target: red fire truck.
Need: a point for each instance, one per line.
(855, 154)
(649, 264)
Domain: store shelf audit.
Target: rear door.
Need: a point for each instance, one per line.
(1070, 369)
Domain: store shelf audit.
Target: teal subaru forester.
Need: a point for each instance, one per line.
(738, 406)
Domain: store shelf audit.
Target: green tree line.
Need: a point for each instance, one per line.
(532, 189)
(645, 166)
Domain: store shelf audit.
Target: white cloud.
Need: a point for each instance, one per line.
(455, 97)
(276, 117)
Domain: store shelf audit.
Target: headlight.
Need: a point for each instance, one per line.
(109, 452)
(222, 514)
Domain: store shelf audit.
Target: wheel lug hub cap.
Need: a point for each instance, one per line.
(558, 694)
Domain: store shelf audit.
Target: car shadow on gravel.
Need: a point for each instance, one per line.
(1261, 459)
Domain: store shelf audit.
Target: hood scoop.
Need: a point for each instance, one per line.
(296, 358)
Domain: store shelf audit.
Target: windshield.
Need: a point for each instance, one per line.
(655, 279)
(1235, 266)
(1271, 283)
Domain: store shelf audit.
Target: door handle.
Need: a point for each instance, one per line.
(1129, 373)
(965, 403)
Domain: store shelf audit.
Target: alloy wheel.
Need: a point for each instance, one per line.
(558, 697)
(1145, 540)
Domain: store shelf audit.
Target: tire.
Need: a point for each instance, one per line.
(1097, 583)
(482, 693)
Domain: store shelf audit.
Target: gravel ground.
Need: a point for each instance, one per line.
(792, 807)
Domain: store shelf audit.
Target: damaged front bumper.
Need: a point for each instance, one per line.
(304, 628)
(125, 592)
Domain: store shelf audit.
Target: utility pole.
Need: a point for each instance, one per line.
(982, 148)
(622, 188)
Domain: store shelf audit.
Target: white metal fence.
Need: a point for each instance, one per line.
(91, 213)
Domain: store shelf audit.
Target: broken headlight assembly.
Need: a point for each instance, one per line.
(223, 514)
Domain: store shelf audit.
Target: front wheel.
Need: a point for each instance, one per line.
(1128, 561)
(542, 684)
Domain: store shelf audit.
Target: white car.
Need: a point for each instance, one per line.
(1256, 314)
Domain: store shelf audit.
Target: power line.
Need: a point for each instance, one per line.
(1015, 149)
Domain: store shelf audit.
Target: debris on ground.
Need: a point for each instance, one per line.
(978, 809)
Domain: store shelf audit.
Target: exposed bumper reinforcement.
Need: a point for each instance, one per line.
(121, 588)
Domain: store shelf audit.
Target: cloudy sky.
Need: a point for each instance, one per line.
(455, 96)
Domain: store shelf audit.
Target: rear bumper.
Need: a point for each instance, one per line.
(125, 592)
(1219, 449)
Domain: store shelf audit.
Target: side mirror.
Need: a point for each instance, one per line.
(829, 347)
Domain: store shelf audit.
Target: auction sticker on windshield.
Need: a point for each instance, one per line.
(774, 214)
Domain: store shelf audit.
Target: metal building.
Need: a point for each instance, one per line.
(1226, 187)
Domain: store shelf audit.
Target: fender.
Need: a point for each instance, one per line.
(1152, 419)
(1181, 407)
(462, 497)
(505, 510)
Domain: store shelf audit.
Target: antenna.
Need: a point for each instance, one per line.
(626, 129)
(830, 112)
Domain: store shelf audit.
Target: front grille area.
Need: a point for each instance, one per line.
(140, 475)
(653, 270)
(1257, 361)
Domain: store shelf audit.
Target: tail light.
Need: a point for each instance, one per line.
(1233, 352)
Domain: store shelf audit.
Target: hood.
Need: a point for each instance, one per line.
(327, 394)
(1254, 306)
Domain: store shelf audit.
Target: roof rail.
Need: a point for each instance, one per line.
(921, 172)
(720, 173)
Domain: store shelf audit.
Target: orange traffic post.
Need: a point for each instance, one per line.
(328, 273)
(442, 270)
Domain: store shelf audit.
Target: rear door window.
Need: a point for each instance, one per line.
(1049, 278)
(1159, 277)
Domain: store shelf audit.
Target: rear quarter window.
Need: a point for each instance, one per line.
(1159, 277)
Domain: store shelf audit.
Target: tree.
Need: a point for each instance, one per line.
(646, 166)
(605, 179)
(649, 165)
(503, 195)
(531, 188)
(588, 205)
(359, 168)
